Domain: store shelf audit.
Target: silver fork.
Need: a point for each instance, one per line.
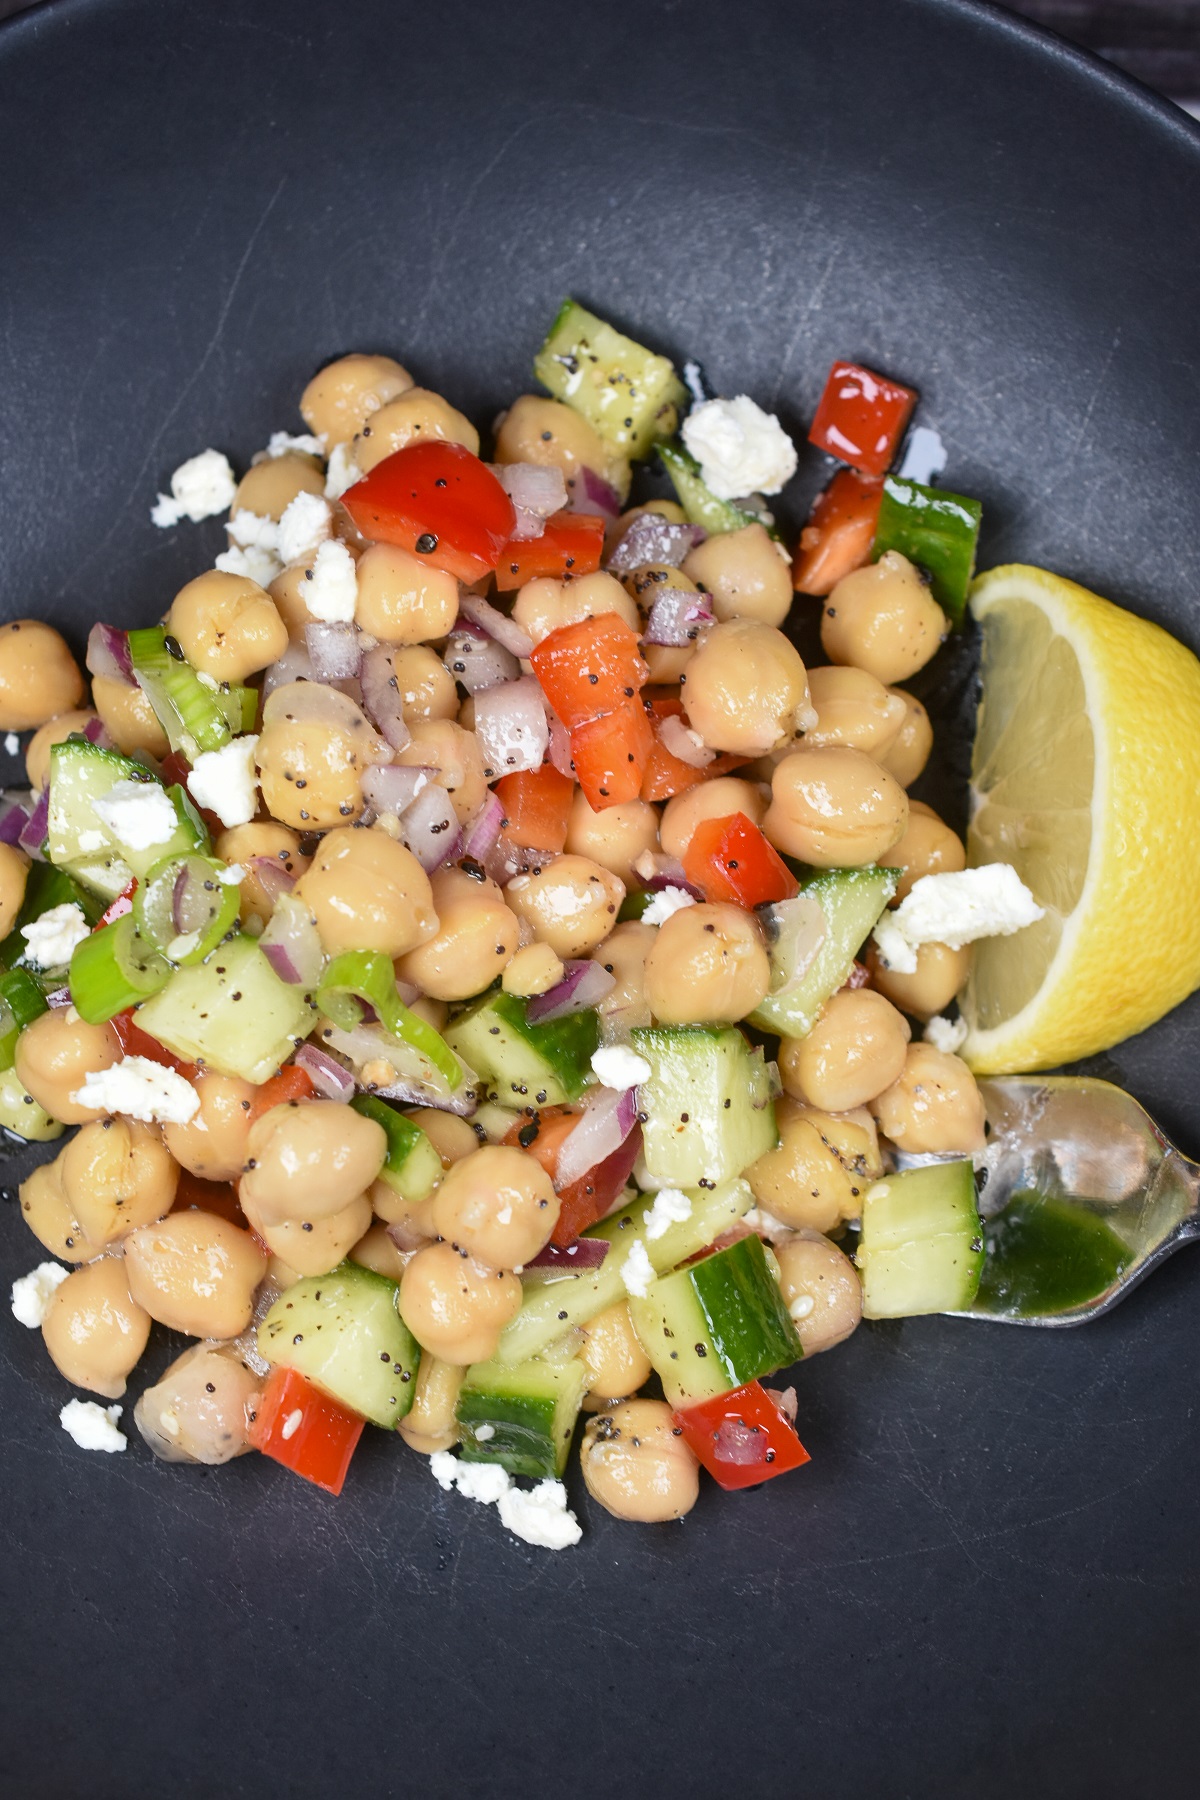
(1084, 1143)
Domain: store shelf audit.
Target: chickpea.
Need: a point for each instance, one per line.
(666, 662)
(546, 432)
(636, 1467)
(820, 1169)
(287, 592)
(390, 1206)
(195, 1273)
(366, 892)
(312, 749)
(498, 1204)
(835, 808)
(425, 685)
(613, 1356)
(39, 678)
(56, 1054)
(268, 488)
(744, 687)
(48, 1214)
(934, 1106)
(533, 970)
(821, 1287)
(940, 974)
(244, 844)
(54, 731)
(570, 904)
(213, 1142)
(314, 1246)
(456, 758)
(613, 838)
(624, 956)
(200, 1410)
(117, 1175)
(411, 418)
(714, 799)
(854, 1051)
(307, 1160)
(403, 599)
(452, 1137)
(744, 573)
(375, 1250)
(430, 1423)
(852, 1135)
(456, 1307)
(884, 619)
(14, 871)
(94, 1330)
(670, 510)
(853, 708)
(906, 757)
(545, 604)
(928, 847)
(227, 626)
(709, 964)
(129, 719)
(341, 397)
(476, 936)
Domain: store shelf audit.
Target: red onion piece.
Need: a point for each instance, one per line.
(333, 650)
(678, 739)
(107, 655)
(13, 820)
(294, 665)
(605, 1123)
(95, 733)
(653, 539)
(658, 870)
(507, 859)
(179, 901)
(584, 984)
(658, 883)
(858, 977)
(785, 1400)
(560, 747)
(738, 1444)
(392, 787)
(406, 1237)
(511, 727)
(477, 661)
(381, 696)
(533, 488)
(483, 833)
(33, 835)
(330, 1077)
(677, 617)
(291, 945)
(415, 1093)
(273, 878)
(584, 1253)
(592, 493)
(60, 997)
(431, 828)
(490, 620)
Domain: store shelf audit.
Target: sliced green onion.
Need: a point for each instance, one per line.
(184, 909)
(240, 706)
(190, 817)
(21, 1002)
(936, 530)
(190, 713)
(114, 969)
(366, 977)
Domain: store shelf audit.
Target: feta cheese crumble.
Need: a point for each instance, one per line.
(12, 743)
(945, 1034)
(201, 488)
(32, 1293)
(637, 1271)
(254, 563)
(331, 585)
(484, 1482)
(281, 443)
(306, 522)
(924, 456)
(342, 472)
(541, 1517)
(740, 448)
(93, 1427)
(254, 531)
(141, 1089)
(671, 1207)
(955, 909)
(618, 1067)
(50, 939)
(138, 813)
(667, 901)
(225, 781)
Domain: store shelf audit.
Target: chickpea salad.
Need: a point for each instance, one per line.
(491, 983)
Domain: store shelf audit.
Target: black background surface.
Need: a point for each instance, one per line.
(987, 1577)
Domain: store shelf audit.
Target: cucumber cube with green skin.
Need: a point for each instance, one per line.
(706, 1110)
(344, 1333)
(921, 1248)
(21, 1114)
(716, 1325)
(934, 529)
(45, 888)
(413, 1167)
(520, 1415)
(539, 1065)
(628, 395)
(195, 718)
(231, 1012)
(852, 901)
(79, 840)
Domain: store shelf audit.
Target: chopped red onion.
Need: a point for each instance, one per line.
(95, 733)
(273, 878)
(294, 665)
(431, 828)
(107, 655)
(658, 870)
(657, 883)
(858, 977)
(796, 930)
(477, 661)
(653, 539)
(584, 984)
(682, 742)
(13, 819)
(333, 649)
(33, 835)
(60, 997)
(408, 992)
(392, 787)
(506, 631)
(507, 859)
(291, 945)
(592, 493)
(785, 1400)
(739, 1445)
(677, 617)
(330, 1077)
(406, 1237)
(483, 833)
(382, 701)
(605, 1123)
(533, 488)
(511, 727)
(560, 747)
(462, 1103)
(584, 1253)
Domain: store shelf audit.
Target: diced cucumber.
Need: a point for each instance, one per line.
(921, 1249)
(852, 900)
(344, 1333)
(495, 1121)
(707, 1105)
(78, 838)
(21, 1002)
(716, 1324)
(539, 1064)
(21, 1114)
(195, 717)
(45, 888)
(521, 1415)
(629, 395)
(413, 1167)
(698, 501)
(232, 1013)
(553, 1307)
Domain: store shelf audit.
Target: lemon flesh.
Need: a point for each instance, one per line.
(1086, 777)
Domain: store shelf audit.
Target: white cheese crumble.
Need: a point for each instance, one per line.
(254, 563)
(671, 1207)
(12, 743)
(93, 1427)
(668, 900)
(254, 531)
(283, 442)
(138, 813)
(484, 1482)
(924, 456)
(637, 1271)
(618, 1067)
(765, 1223)
(945, 1034)
(955, 909)
(740, 448)
(32, 1293)
(141, 1089)
(693, 381)
(331, 585)
(201, 488)
(225, 781)
(342, 472)
(541, 1517)
(50, 939)
(306, 522)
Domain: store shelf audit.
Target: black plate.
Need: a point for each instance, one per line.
(987, 1575)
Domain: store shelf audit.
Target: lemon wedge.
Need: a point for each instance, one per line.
(1086, 777)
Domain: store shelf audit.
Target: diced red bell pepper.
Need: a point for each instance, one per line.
(571, 545)
(136, 1042)
(610, 754)
(116, 909)
(194, 1193)
(666, 774)
(302, 1428)
(292, 1083)
(587, 1200)
(840, 531)
(861, 417)
(730, 859)
(741, 1438)
(537, 805)
(589, 668)
(438, 501)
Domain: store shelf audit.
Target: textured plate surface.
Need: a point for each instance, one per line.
(988, 1573)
